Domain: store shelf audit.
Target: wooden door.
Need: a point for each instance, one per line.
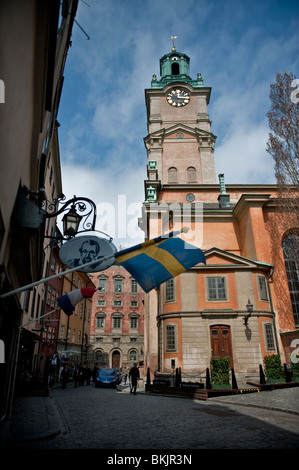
(221, 343)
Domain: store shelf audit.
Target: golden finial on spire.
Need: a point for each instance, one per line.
(173, 46)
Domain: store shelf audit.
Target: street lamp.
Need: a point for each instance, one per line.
(249, 308)
(32, 209)
(71, 220)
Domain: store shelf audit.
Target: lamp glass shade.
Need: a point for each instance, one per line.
(71, 222)
(249, 307)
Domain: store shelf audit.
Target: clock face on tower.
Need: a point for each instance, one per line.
(178, 97)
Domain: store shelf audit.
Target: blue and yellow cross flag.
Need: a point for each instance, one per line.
(153, 262)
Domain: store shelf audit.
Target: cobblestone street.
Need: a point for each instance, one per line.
(91, 418)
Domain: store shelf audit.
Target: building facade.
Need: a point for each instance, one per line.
(117, 326)
(242, 229)
(73, 344)
(36, 35)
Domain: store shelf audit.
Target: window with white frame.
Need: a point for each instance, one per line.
(100, 322)
(134, 286)
(102, 283)
(133, 355)
(118, 285)
(269, 337)
(263, 293)
(116, 322)
(216, 288)
(170, 331)
(134, 322)
(169, 291)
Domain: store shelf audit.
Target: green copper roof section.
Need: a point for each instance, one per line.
(174, 67)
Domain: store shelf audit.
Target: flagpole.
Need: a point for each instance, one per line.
(90, 263)
(41, 281)
(36, 319)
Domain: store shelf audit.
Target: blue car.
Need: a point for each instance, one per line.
(108, 378)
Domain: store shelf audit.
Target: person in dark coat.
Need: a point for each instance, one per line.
(64, 377)
(134, 376)
(82, 375)
(76, 375)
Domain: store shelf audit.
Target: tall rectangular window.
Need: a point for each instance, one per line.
(118, 285)
(134, 322)
(62, 332)
(269, 337)
(117, 322)
(290, 246)
(262, 288)
(100, 322)
(170, 338)
(134, 286)
(102, 283)
(216, 288)
(169, 291)
(33, 303)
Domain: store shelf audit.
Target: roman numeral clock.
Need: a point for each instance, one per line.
(178, 97)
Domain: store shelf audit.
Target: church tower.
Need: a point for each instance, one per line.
(179, 143)
(228, 308)
(180, 163)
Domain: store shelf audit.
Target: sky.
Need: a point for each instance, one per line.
(236, 45)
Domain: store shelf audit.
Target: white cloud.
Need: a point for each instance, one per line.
(118, 198)
(242, 156)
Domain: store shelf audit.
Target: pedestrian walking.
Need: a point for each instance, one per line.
(134, 376)
(63, 377)
(94, 374)
(76, 375)
(82, 375)
(88, 374)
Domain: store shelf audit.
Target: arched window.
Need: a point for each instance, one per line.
(172, 175)
(290, 247)
(100, 320)
(191, 174)
(98, 355)
(133, 355)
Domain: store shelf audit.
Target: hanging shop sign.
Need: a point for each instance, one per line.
(84, 249)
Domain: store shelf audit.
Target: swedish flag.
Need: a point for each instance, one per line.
(153, 262)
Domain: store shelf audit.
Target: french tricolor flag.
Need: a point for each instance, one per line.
(68, 301)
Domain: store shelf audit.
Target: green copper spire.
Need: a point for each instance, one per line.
(174, 67)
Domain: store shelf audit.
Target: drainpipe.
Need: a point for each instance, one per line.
(159, 327)
(272, 310)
